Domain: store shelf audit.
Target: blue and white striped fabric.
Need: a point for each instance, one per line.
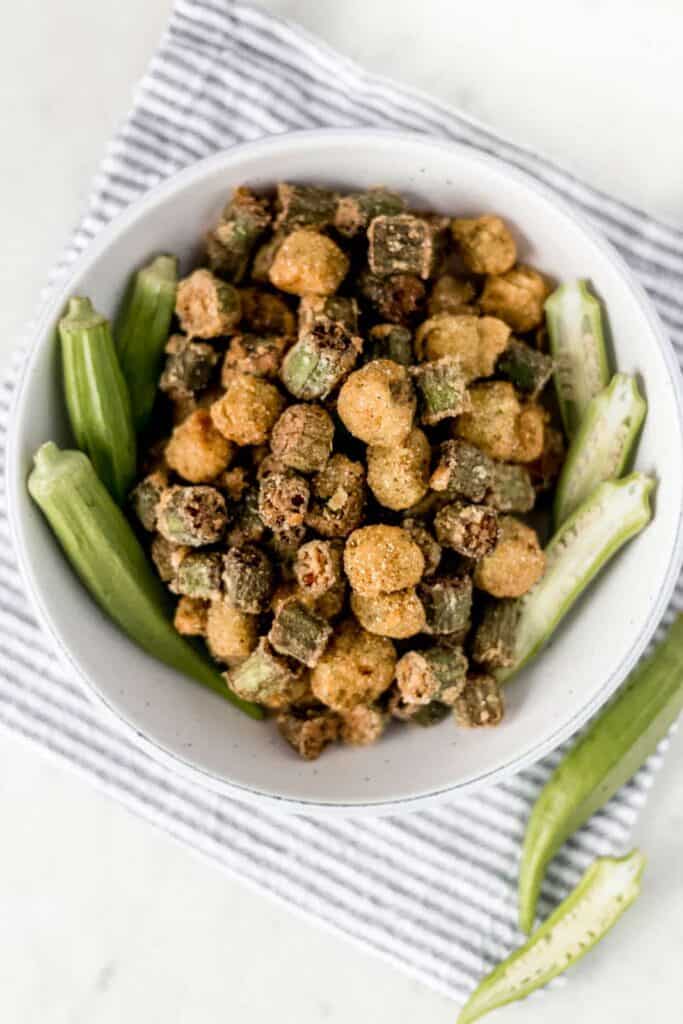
(432, 892)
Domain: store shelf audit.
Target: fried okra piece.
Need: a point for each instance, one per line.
(476, 341)
(229, 245)
(206, 306)
(398, 475)
(500, 425)
(480, 703)
(403, 244)
(427, 543)
(516, 297)
(337, 498)
(447, 602)
(545, 470)
(248, 410)
(264, 256)
(398, 615)
(230, 633)
(302, 438)
(197, 451)
(233, 482)
(398, 299)
(309, 730)
(254, 354)
(514, 565)
(249, 578)
(363, 725)
(320, 360)
(190, 616)
(451, 295)
(527, 368)
(462, 471)
(379, 559)
(390, 341)
(265, 314)
(167, 557)
(308, 263)
(442, 389)
(494, 640)
(268, 678)
(193, 516)
(199, 575)
(318, 567)
(354, 212)
(486, 245)
(304, 206)
(338, 308)
(145, 496)
(189, 366)
(471, 530)
(424, 715)
(283, 500)
(283, 546)
(246, 527)
(299, 633)
(377, 403)
(356, 668)
(433, 674)
(510, 489)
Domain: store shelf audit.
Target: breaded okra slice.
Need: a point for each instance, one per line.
(337, 498)
(283, 499)
(320, 359)
(356, 668)
(494, 640)
(517, 297)
(377, 403)
(403, 244)
(339, 308)
(390, 341)
(304, 206)
(510, 488)
(442, 389)
(259, 355)
(398, 615)
(299, 633)
(229, 245)
(265, 314)
(271, 679)
(145, 496)
(192, 515)
(486, 245)
(189, 366)
(199, 575)
(230, 633)
(355, 211)
(451, 294)
(248, 410)
(302, 438)
(501, 425)
(480, 703)
(363, 724)
(514, 565)
(527, 368)
(433, 674)
(197, 451)
(398, 299)
(462, 471)
(379, 559)
(447, 601)
(206, 306)
(309, 730)
(426, 541)
(249, 578)
(476, 341)
(318, 567)
(398, 475)
(471, 530)
(308, 263)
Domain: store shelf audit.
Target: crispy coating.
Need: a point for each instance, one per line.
(167, 556)
(194, 515)
(362, 725)
(266, 314)
(516, 297)
(230, 634)
(330, 307)
(402, 244)
(308, 263)
(471, 530)
(545, 470)
(427, 543)
(476, 341)
(355, 669)
(451, 295)
(500, 425)
(191, 616)
(514, 565)
(380, 559)
(338, 498)
(510, 488)
(309, 731)
(248, 410)
(486, 245)
(207, 307)
(398, 475)
(318, 566)
(302, 438)
(234, 482)
(188, 368)
(256, 354)
(480, 704)
(144, 498)
(398, 615)
(283, 500)
(397, 299)
(377, 403)
(197, 451)
(268, 678)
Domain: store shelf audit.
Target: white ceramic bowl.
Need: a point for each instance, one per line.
(595, 647)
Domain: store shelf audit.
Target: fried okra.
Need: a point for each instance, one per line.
(192, 515)
(398, 475)
(377, 403)
(144, 498)
(356, 668)
(398, 615)
(248, 410)
(500, 425)
(402, 244)
(471, 530)
(380, 559)
(231, 635)
(268, 678)
(207, 307)
(259, 355)
(476, 341)
(265, 314)
(362, 725)
(398, 299)
(309, 730)
(480, 703)
(516, 562)
(197, 451)
(189, 367)
(302, 438)
(516, 297)
(451, 295)
(308, 263)
(190, 616)
(230, 243)
(486, 245)
(337, 498)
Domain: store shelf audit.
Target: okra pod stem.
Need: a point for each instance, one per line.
(607, 756)
(97, 397)
(615, 512)
(141, 332)
(104, 552)
(602, 445)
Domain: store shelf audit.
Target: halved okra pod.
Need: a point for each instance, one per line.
(615, 512)
(442, 387)
(601, 447)
(577, 344)
(249, 578)
(447, 601)
(320, 360)
(103, 550)
(141, 331)
(433, 674)
(299, 633)
(97, 396)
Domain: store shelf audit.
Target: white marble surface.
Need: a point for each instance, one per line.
(102, 919)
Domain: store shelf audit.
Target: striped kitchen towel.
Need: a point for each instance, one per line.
(433, 892)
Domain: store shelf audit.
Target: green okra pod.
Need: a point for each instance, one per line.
(602, 446)
(97, 397)
(607, 889)
(615, 512)
(577, 344)
(104, 552)
(616, 744)
(141, 331)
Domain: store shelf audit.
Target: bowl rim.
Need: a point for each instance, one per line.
(117, 227)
